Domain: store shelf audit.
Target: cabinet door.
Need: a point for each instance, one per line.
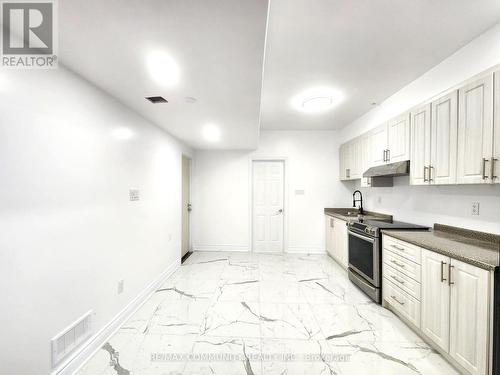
(444, 133)
(366, 147)
(469, 316)
(379, 145)
(496, 132)
(355, 159)
(420, 120)
(398, 133)
(329, 234)
(342, 166)
(435, 298)
(475, 131)
(343, 243)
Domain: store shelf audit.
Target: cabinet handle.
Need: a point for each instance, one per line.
(397, 264)
(449, 275)
(484, 169)
(398, 248)
(332, 223)
(430, 173)
(398, 280)
(348, 173)
(398, 301)
(442, 271)
(388, 155)
(493, 160)
(383, 157)
(425, 173)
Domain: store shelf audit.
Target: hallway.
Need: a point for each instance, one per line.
(241, 313)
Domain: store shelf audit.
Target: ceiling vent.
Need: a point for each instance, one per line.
(156, 99)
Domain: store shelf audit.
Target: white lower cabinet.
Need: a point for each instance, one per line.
(469, 312)
(435, 298)
(336, 240)
(452, 308)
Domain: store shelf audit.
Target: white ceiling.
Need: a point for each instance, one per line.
(367, 49)
(218, 45)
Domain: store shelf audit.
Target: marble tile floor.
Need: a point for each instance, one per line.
(239, 313)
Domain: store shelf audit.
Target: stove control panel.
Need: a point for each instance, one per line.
(370, 230)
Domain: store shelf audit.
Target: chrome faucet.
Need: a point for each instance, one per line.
(354, 201)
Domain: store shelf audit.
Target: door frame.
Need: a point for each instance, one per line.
(190, 225)
(283, 160)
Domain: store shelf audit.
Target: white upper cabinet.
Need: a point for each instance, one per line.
(379, 145)
(469, 317)
(366, 147)
(420, 119)
(444, 131)
(475, 131)
(355, 158)
(398, 139)
(495, 174)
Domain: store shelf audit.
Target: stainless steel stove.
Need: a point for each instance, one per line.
(365, 253)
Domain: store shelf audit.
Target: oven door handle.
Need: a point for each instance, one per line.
(364, 238)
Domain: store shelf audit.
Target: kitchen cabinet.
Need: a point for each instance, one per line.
(469, 307)
(350, 160)
(420, 158)
(379, 145)
(336, 240)
(444, 133)
(398, 139)
(455, 309)
(390, 142)
(495, 160)
(366, 144)
(435, 298)
(475, 131)
(434, 129)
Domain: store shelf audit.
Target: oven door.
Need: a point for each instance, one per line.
(364, 257)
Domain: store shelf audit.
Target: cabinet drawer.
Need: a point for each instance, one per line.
(406, 250)
(409, 268)
(402, 302)
(404, 282)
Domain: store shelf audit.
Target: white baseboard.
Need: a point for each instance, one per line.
(94, 343)
(306, 250)
(241, 248)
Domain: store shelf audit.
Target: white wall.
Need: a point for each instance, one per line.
(428, 205)
(69, 232)
(222, 190)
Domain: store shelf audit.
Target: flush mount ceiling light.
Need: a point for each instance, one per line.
(163, 69)
(317, 100)
(211, 133)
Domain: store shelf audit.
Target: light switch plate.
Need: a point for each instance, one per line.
(121, 286)
(475, 208)
(134, 195)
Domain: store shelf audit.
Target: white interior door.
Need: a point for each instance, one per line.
(268, 192)
(186, 204)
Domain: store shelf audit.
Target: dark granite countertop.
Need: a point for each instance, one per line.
(477, 248)
(347, 214)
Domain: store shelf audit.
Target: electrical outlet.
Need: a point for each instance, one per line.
(121, 286)
(475, 208)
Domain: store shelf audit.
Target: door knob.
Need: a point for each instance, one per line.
(280, 211)
(190, 208)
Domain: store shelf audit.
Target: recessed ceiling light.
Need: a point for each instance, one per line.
(163, 69)
(122, 133)
(317, 100)
(211, 133)
(156, 99)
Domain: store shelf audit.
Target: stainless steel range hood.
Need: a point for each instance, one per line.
(401, 168)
